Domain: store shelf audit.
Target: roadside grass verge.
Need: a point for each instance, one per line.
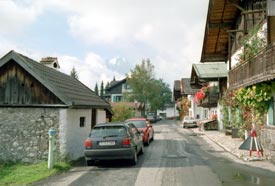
(14, 174)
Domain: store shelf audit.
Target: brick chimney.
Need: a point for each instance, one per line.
(50, 62)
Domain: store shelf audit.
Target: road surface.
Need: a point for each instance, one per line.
(177, 157)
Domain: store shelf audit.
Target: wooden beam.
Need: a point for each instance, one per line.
(253, 11)
(271, 29)
(219, 25)
(236, 5)
(231, 31)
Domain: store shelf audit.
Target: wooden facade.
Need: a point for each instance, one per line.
(220, 19)
(255, 70)
(210, 100)
(260, 67)
(18, 87)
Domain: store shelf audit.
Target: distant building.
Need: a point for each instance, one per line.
(114, 94)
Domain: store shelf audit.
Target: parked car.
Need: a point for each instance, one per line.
(145, 128)
(112, 141)
(151, 118)
(189, 121)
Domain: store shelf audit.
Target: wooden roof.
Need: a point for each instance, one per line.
(220, 18)
(186, 87)
(68, 89)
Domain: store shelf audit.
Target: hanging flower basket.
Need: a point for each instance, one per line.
(199, 96)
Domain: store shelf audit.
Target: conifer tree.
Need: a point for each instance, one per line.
(96, 89)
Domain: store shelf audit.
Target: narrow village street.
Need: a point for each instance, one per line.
(177, 156)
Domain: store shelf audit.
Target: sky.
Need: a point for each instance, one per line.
(103, 39)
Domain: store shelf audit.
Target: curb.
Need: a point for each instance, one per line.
(241, 157)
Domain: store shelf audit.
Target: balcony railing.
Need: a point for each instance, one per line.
(210, 100)
(255, 70)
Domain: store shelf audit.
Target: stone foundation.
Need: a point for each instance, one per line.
(24, 133)
(267, 139)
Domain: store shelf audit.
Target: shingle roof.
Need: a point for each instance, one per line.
(177, 85)
(68, 89)
(115, 83)
(187, 87)
(211, 70)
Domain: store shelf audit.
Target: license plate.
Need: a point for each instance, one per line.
(105, 143)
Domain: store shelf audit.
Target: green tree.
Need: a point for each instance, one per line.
(96, 89)
(141, 81)
(101, 89)
(164, 96)
(146, 89)
(121, 112)
(74, 73)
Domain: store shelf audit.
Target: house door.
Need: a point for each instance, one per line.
(93, 118)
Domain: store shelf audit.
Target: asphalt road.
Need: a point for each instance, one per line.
(177, 157)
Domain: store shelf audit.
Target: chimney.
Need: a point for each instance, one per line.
(50, 62)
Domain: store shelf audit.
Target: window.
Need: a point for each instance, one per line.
(271, 113)
(117, 99)
(127, 87)
(82, 122)
(205, 114)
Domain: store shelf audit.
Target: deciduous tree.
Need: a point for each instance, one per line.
(146, 89)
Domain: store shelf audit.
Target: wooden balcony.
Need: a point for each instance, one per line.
(255, 70)
(210, 100)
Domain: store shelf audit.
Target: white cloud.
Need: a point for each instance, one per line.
(15, 18)
(170, 33)
(91, 70)
(145, 32)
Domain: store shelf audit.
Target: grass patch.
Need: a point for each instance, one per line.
(14, 174)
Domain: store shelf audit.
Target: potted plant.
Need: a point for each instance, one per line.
(252, 43)
(227, 102)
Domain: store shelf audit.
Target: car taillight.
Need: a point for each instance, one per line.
(88, 143)
(126, 141)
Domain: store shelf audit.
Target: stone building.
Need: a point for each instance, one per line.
(34, 98)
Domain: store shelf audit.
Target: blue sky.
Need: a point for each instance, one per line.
(107, 38)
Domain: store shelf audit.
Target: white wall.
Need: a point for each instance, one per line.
(204, 113)
(195, 110)
(74, 135)
(169, 111)
(220, 117)
(101, 116)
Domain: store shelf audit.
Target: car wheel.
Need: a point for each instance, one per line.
(134, 159)
(141, 150)
(90, 162)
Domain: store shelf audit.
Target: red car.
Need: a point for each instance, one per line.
(145, 128)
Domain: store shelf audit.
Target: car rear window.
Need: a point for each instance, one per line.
(138, 124)
(108, 131)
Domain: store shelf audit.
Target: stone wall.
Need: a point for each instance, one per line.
(267, 139)
(24, 133)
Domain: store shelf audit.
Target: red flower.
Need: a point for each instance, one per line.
(200, 95)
